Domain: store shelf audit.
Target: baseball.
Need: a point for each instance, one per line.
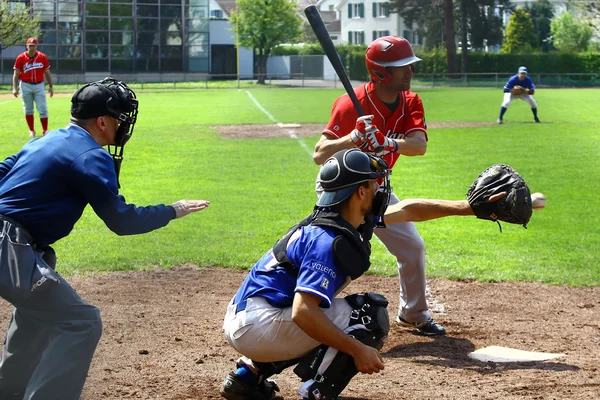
(538, 201)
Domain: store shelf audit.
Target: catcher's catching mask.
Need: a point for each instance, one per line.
(113, 98)
(345, 170)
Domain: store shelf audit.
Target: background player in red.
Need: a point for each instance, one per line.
(30, 69)
(394, 125)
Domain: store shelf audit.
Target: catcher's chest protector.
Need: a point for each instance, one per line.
(351, 252)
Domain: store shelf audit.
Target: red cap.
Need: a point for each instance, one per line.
(31, 40)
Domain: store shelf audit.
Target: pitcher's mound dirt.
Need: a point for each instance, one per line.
(163, 339)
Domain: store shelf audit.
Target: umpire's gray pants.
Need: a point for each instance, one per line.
(49, 345)
(31, 93)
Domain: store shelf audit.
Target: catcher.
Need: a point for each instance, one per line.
(519, 86)
(286, 312)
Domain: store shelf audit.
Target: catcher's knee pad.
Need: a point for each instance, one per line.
(327, 371)
(369, 310)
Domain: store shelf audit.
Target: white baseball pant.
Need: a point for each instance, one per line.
(265, 333)
(31, 93)
(509, 97)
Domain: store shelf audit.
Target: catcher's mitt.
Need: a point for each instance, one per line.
(514, 208)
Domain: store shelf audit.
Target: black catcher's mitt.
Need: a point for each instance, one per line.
(514, 208)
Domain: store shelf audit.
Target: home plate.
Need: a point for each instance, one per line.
(501, 354)
(289, 125)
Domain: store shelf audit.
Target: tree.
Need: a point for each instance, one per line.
(264, 24)
(16, 24)
(427, 15)
(520, 37)
(542, 12)
(450, 35)
(569, 34)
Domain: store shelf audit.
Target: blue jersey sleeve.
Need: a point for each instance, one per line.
(7, 164)
(318, 274)
(97, 181)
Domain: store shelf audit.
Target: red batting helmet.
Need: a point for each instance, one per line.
(388, 51)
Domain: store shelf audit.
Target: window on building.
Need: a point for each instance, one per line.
(379, 10)
(217, 14)
(356, 10)
(408, 35)
(378, 34)
(356, 37)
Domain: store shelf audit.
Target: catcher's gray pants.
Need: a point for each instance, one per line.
(31, 93)
(49, 345)
(405, 243)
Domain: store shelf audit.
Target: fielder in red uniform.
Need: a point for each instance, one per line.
(394, 125)
(31, 67)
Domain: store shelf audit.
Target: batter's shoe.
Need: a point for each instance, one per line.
(427, 328)
(499, 121)
(234, 389)
(31, 133)
(537, 120)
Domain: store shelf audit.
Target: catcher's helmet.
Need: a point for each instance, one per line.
(344, 171)
(388, 51)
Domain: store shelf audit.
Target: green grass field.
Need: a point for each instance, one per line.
(258, 188)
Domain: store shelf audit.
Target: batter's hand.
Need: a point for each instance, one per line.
(380, 143)
(363, 124)
(51, 91)
(16, 92)
(368, 360)
(185, 207)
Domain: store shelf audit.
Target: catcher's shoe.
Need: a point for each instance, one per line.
(499, 121)
(234, 389)
(427, 328)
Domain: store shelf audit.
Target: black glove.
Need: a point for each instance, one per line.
(514, 208)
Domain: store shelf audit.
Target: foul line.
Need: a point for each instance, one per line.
(290, 132)
(4, 102)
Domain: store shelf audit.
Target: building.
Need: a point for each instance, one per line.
(363, 21)
(136, 36)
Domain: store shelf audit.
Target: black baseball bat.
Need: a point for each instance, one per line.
(318, 27)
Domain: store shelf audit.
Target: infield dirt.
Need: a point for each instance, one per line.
(163, 340)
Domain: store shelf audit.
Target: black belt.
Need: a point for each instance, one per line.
(33, 83)
(241, 306)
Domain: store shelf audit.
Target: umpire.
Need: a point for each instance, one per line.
(43, 191)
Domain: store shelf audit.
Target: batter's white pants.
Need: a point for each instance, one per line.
(31, 93)
(265, 333)
(509, 97)
(405, 243)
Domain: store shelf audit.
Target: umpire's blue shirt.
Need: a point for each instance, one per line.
(47, 185)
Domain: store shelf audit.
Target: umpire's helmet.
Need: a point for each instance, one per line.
(344, 171)
(107, 97)
(388, 51)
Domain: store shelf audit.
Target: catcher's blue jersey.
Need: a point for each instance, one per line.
(310, 250)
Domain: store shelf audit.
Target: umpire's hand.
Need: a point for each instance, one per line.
(185, 207)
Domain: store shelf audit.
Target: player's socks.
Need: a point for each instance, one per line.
(534, 111)
(29, 119)
(246, 375)
(44, 122)
(502, 111)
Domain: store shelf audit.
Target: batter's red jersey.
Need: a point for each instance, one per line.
(31, 68)
(408, 118)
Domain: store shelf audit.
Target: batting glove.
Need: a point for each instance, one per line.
(363, 124)
(379, 143)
